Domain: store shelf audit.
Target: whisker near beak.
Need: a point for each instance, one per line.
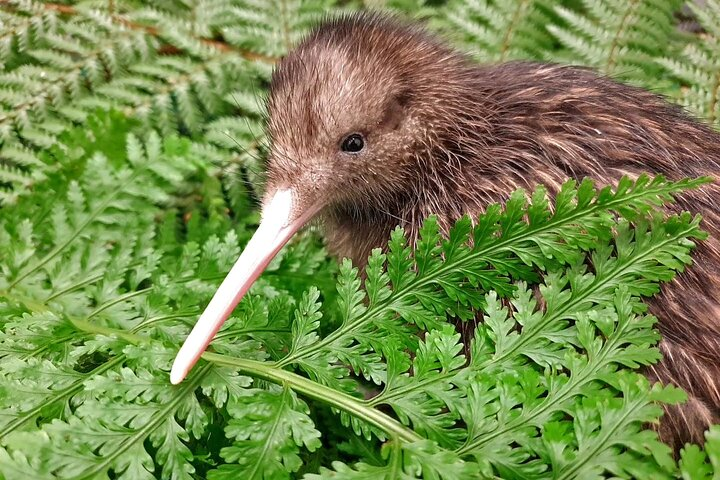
(279, 223)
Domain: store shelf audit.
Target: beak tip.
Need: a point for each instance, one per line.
(177, 373)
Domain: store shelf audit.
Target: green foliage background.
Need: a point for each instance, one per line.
(130, 146)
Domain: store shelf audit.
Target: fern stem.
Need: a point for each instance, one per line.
(32, 304)
(629, 12)
(386, 396)
(714, 99)
(510, 32)
(248, 331)
(155, 32)
(117, 300)
(47, 346)
(342, 401)
(161, 318)
(284, 25)
(83, 283)
(88, 327)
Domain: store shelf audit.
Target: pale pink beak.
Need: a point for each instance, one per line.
(279, 223)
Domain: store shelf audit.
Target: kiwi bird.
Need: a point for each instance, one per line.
(374, 122)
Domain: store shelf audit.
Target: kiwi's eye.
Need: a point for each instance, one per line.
(353, 143)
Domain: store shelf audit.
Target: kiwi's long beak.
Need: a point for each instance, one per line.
(280, 221)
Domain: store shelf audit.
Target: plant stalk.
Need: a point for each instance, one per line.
(339, 400)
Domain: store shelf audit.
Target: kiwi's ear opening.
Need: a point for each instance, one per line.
(395, 112)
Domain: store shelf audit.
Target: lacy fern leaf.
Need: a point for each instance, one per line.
(702, 465)
(62, 63)
(698, 66)
(501, 31)
(483, 406)
(117, 227)
(617, 37)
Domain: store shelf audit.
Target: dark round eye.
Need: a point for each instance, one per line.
(353, 143)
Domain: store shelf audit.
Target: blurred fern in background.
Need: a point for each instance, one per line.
(131, 149)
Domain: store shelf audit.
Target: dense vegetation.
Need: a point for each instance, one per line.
(131, 141)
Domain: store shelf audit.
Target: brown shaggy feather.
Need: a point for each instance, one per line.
(446, 136)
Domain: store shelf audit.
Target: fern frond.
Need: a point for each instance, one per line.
(271, 28)
(618, 37)
(694, 462)
(261, 452)
(92, 58)
(698, 66)
(24, 24)
(501, 31)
